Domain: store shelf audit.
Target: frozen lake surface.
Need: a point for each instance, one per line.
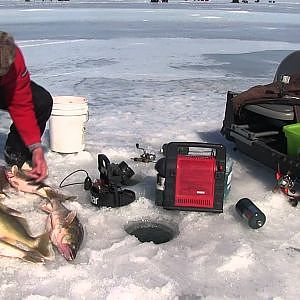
(152, 74)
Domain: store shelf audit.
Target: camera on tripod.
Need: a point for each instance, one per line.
(108, 191)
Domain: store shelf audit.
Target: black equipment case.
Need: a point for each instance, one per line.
(258, 129)
(191, 177)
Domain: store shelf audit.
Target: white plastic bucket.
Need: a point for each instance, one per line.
(67, 124)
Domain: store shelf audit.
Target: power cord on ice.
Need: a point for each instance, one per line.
(87, 183)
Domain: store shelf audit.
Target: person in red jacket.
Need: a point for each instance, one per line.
(29, 106)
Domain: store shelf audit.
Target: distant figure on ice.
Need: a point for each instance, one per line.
(29, 106)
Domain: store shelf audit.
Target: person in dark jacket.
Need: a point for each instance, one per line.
(29, 106)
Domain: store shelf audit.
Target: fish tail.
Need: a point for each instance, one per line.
(11, 250)
(50, 193)
(69, 198)
(44, 247)
(33, 256)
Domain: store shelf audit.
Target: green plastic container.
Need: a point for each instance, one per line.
(292, 134)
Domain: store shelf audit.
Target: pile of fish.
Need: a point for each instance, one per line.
(63, 229)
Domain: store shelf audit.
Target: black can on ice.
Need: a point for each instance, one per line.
(249, 211)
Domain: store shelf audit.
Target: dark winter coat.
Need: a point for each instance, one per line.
(271, 93)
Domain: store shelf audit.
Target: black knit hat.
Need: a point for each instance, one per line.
(7, 52)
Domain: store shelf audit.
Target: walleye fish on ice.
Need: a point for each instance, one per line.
(65, 230)
(17, 241)
(18, 179)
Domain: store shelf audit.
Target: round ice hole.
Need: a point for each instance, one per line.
(151, 231)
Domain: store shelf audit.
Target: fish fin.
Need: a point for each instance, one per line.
(69, 218)
(44, 246)
(64, 198)
(50, 193)
(13, 242)
(11, 250)
(46, 206)
(45, 192)
(11, 211)
(13, 183)
(14, 169)
(33, 256)
(26, 167)
(19, 173)
(69, 198)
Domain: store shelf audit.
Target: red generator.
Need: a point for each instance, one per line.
(191, 177)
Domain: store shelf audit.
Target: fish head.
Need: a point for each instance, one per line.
(70, 240)
(69, 247)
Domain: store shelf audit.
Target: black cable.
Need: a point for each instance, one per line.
(79, 170)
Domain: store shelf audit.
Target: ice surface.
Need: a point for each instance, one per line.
(154, 74)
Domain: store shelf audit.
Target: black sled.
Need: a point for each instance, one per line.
(256, 126)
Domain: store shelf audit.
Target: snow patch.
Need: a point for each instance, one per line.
(242, 259)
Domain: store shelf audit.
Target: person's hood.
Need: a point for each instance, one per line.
(7, 52)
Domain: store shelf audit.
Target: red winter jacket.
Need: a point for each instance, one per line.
(18, 96)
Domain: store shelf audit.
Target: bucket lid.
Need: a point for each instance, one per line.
(69, 102)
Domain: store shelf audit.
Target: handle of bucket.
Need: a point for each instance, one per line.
(104, 167)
